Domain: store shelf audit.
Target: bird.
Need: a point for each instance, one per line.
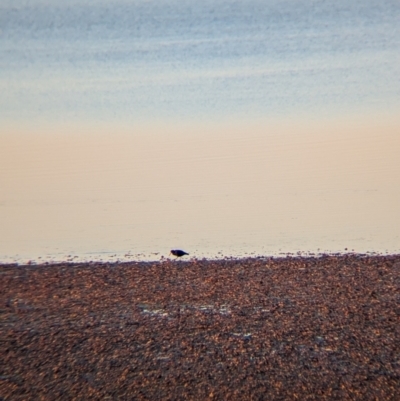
(178, 253)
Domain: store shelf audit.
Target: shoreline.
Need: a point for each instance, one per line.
(294, 327)
(71, 261)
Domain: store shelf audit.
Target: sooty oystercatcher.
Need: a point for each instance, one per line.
(178, 253)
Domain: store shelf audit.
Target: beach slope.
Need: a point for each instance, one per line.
(305, 328)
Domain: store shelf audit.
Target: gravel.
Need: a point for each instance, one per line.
(291, 328)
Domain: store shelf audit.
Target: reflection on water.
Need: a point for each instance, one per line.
(231, 145)
(144, 60)
(235, 189)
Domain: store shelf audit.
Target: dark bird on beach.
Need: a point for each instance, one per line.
(178, 253)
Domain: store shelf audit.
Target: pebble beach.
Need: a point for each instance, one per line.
(290, 328)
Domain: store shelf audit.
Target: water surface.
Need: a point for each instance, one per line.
(222, 127)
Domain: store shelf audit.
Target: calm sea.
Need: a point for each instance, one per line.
(225, 128)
